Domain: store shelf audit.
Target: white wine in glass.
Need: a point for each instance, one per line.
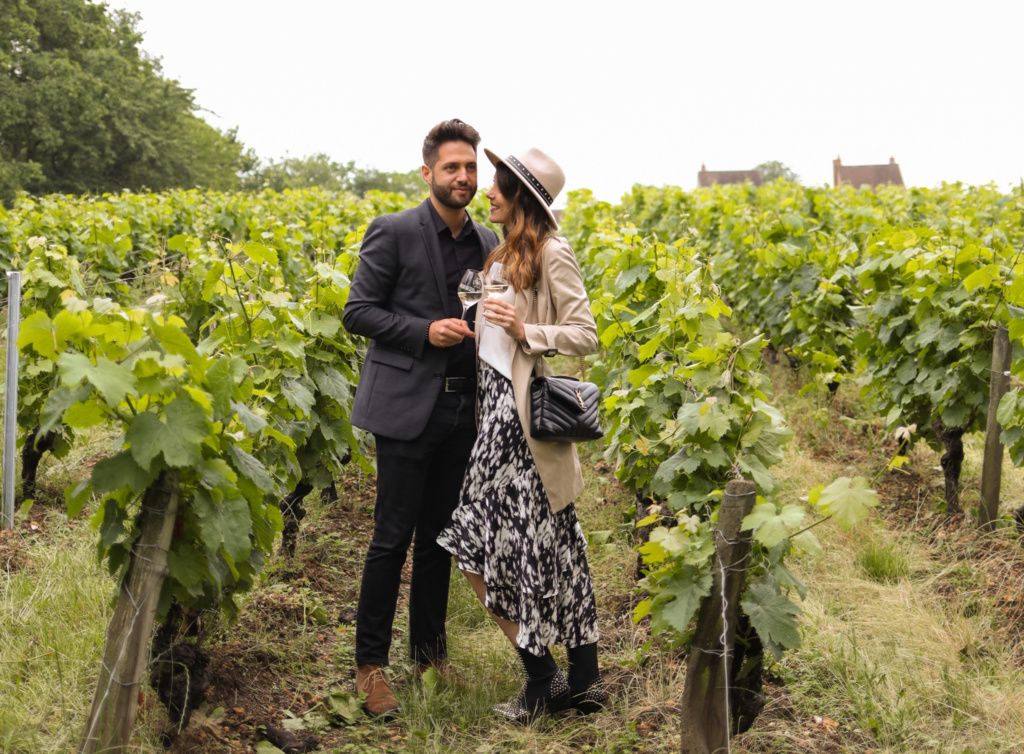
(471, 289)
(495, 282)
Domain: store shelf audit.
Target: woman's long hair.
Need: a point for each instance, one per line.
(527, 227)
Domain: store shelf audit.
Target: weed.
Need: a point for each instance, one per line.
(883, 562)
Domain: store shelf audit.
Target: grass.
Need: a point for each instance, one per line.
(909, 639)
(882, 561)
(53, 615)
(884, 650)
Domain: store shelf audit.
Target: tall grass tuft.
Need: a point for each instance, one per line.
(53, 617)
(883, 562)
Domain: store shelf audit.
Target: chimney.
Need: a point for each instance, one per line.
(702, 168)
(836, 164)
(892, 160)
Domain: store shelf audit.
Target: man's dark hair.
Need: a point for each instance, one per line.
(445, 131)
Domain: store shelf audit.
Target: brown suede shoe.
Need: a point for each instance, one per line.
(380, 698)
(444, 669)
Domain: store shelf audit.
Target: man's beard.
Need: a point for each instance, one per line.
(443, 194)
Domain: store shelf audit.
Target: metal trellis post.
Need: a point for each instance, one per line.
(11, 395)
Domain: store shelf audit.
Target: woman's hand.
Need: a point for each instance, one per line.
(503, 314)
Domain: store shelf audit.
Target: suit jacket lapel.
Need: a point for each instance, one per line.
(433, 247)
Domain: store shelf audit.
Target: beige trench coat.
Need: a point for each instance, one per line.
(560, 323)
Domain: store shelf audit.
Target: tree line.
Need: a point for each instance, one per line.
(84, 109)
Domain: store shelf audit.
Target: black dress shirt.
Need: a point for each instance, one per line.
(459, 254)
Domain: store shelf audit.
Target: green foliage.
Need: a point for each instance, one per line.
(685, 408)
(82, 108)
(882, 562)
(320, 171)
(773, 170)
(236, 371)
(127, 368)
(934, 297)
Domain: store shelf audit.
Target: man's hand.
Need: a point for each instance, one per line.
(449, 332)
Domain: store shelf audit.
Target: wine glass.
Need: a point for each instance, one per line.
(495, 282)
(471, 289)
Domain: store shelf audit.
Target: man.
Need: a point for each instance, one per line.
(417, 395)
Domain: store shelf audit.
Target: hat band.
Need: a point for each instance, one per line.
(524, 171)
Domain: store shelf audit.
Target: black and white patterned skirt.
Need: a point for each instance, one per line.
(533, 561)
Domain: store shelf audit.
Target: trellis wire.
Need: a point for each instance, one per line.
(11, 395)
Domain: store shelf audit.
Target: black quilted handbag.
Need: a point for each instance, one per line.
(564, 409)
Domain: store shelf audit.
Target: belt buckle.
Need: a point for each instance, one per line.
(451, 384)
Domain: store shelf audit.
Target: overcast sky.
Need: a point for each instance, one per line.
(618, 93)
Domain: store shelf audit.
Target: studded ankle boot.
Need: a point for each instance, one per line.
(545, 690)
(586, 691)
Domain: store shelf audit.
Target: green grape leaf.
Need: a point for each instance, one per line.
(332, 384)
(266, 523)
(808, 543)
(225, 522)
(179, 438)
(648, 349)
(770, 526)
(221, 385)
(1006, 410)
(251, 421)
(218, 473)
(343, 706)
(37, 331)
(788, 580)
(714, 421)
(76, 496)
(773, 615)
(260, 254)
(252, 468)
(688, 593)
(57, 402)
(113, 473)
(174, 340)
(187, 565)
(66, 326)
(848, 501)
(112, 380)
(323, 324)
(297, 395)
(762, 477)
(84, 415)
(982, 277)
(1016, 325)
(641, 374)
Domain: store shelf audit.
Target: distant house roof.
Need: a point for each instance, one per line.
(872, 175)
(707, 177)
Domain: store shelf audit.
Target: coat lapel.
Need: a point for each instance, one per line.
(433, 247)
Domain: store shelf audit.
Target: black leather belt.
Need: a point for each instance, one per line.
(459, 384)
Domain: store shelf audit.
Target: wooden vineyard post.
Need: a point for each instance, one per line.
(116, 698)
(705, 719)
(992, 468)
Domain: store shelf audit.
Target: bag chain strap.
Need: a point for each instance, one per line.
(583, 363)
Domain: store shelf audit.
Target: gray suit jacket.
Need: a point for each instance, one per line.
(397, 290)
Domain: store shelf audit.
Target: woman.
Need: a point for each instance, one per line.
(515, 534)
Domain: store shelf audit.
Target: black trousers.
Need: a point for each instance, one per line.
(418, 483)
